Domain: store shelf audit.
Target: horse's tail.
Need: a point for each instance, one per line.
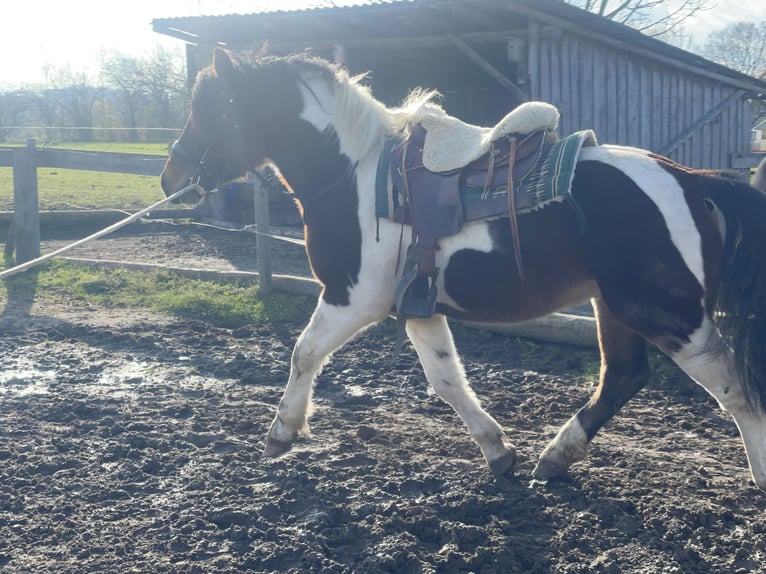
(740, 307)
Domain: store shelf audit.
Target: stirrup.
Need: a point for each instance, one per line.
(418, 298)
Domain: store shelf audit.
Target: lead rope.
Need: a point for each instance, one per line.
(34, 262)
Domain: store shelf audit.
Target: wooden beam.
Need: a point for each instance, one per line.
(263, 241)
(480, 61)
(709, 116)
(26, 218)
(138, 164)
(437, 41)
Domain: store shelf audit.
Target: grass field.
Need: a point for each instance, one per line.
(221, 304)
(77, 189)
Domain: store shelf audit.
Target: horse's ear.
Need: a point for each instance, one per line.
(223, 66)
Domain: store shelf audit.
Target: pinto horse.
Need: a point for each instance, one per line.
(666, 254)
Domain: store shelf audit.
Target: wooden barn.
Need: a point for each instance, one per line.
(488, 56)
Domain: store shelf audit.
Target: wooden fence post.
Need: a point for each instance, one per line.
(263, 244)
(26, 215)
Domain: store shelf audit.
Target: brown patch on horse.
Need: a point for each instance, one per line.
(488, 286)
(334, 241)
(642, 276)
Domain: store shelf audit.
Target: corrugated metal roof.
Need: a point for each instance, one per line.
(384, 23)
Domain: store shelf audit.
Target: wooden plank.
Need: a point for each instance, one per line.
(706, 143)
(533, 60)
(612, 110)
(623, 110)
(485, 65)
(586, 93)
(689, 120)
(565, 105)
(598, 85)
(695, 127)
(557, 328)
(26, 220)
(674, 110)
(6, 157)
(728, 136)
(645, 104)
(575, 84)
(696, 141)
(715, 147)
(659, 119)
(263, 243)
(746, 161)
(634, 105)
(138, 164)
(747, 124)
(557, 96)
(545, 71)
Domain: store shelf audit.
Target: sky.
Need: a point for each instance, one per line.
(72, 33)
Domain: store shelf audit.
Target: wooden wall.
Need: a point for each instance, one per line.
(632, 100)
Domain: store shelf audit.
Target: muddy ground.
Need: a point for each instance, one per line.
(130, 442)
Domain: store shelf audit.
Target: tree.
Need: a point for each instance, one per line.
(69, 98)
(740, 46)
(15, 111)
(152, 90)
(662, 19)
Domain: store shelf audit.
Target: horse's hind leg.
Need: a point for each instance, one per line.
(707, 360)
(436, 349)
(330, 326)
(624, 371)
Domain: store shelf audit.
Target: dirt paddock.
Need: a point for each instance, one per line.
(130, 442)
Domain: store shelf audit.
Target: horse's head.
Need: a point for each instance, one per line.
(210, 151)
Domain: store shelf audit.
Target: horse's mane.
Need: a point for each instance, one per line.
(366, 120)
(358, 117)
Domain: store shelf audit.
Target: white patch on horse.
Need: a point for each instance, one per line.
(570, 445)
(663, 189)
(317, 102)
(708, 361)
(473, 236)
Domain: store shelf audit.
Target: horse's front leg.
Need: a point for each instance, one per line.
(436, 349)
(330, 326)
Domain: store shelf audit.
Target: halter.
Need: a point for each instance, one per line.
(178, 148)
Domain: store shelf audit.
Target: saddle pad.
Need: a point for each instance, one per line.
(550, 179)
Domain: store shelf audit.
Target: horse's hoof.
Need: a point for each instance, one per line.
(502, 467)
(275, 448)
(547, 470)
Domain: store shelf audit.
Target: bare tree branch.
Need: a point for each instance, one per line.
(741, 46)
(657, 18)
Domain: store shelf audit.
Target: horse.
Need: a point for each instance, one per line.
(666, 254)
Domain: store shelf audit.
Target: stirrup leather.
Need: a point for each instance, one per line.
(415, 295)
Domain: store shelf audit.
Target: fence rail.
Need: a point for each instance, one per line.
(24, 232)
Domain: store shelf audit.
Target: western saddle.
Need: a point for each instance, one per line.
(432, 204)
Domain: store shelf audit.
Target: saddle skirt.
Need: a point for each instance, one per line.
(451, 143)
